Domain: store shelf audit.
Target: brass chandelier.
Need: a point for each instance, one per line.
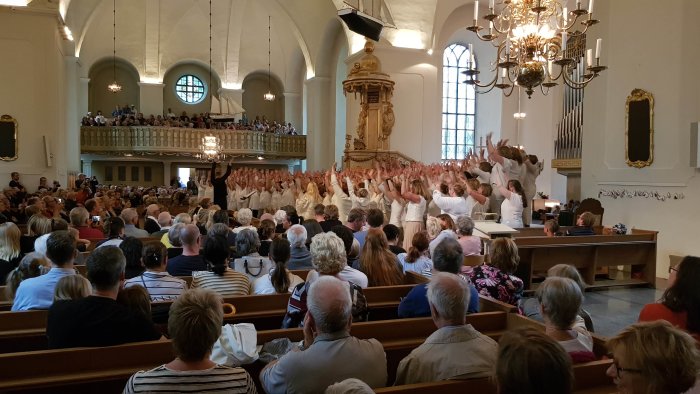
(530, 37)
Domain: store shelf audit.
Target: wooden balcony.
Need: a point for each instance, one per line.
(183, 142)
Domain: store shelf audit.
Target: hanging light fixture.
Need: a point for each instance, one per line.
(269, 96)
(531, 37)
(211, 147)
(114, 87)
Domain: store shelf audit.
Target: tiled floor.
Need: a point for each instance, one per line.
(613, 309)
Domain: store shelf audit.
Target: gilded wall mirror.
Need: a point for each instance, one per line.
(8, 136)
(639, 129)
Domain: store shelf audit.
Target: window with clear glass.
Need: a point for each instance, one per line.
(190, 89)
(458, 104)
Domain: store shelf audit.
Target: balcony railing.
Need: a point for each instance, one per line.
(146, 141)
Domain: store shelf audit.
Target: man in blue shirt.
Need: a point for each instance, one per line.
(448, 258)
(37, 293)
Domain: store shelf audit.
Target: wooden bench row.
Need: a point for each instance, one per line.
(107, 369)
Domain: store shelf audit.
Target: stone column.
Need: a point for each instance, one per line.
(319, 147)
(72, 119)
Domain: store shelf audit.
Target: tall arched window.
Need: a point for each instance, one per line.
(458, 104)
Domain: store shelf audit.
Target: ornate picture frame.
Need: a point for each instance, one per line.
(639, 129)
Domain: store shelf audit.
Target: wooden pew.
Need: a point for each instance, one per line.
(588, 253)
(107, 369)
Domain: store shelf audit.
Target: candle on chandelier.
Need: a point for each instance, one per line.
(590, 7)
(563, 41)
(578, 4)
(589, 57)
(476, 11)
(471, 57)
(492, 4)
(598, 45)
(503, 72)
(565, 16)
(507, 48)
(550, 69)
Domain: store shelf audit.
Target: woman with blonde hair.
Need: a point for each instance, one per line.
(307, 201)
(654, 357)
(10, 252)
(37, 226)
(415, 209)
(31, 266)
(72, 287)
(377, 261)
(495, 279)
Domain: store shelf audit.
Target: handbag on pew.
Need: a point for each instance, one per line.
(252, 267)
(236, 346)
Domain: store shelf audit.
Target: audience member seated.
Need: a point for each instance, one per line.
(221, 278)
(184, 218)
(584, 225)
(10, 254)
(392, 234)
(133, 251)
(244, 217)
(98, 320)
(495, 279)
(471, 244)
(330, 218)
(79, 219)
(190, 259)
(73, 287)
(37, 226)
(357, 219)
(31, 266)
(194, 325)
(300, 258)
(151, 223)
(653, 357)
(266, 232)
(417, 259)
(352, 251)
(165, 220)
(551, 228)
(114, 230)
(456, 350)
(174, 245)
(448, 258)
(530, 362)
(312, 228)
(560, 301)
(447, 230)
(160, 285)
(377, 262)
(37, 293)
(329, 354)
(279, 279)
(680, 303)
(328, 258)
(137, 300)
(131, 220)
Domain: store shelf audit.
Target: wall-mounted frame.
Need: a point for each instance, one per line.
(639, 129)
(8, 136)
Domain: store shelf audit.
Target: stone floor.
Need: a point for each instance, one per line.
(613, 309)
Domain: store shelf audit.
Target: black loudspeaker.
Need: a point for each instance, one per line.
(361, 23)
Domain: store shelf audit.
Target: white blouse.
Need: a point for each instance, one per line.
(415, 212)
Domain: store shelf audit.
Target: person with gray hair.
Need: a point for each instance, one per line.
(456, 350)
(171, 240)
(194, 324)
(300, 257)
(165, 221)
(560, 301)
(244, 217)
(99, 319)
(151, 223)
(448, 257)
(471, 245)
(328, 353)
(349, 386)
(131, 219)
(190, 259)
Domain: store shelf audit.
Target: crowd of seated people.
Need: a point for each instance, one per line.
(128, 116)
(273, 224)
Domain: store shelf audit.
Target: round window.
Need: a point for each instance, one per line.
(190, 89)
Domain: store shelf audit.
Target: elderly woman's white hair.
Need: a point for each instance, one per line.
(328, 253)
(432, 226)
(465, 225)
(449, 295)
(280, 216)
(560, 300)
(297, 235)
(245, 215)
(349, 386)
(182, 218)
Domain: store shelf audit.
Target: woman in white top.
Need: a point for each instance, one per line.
(360, 199)
(201, 188)
(220, 278)
(415, 209)
(513, 204)
(417, 259)
(532, 169)
(279, 280)
(306, 202)
(209, 190)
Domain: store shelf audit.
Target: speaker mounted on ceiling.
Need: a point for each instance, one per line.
(361, 23)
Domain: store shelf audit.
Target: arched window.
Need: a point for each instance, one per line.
(458, 104)
(190, 89)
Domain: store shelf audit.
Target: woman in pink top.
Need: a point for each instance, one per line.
(471, 245)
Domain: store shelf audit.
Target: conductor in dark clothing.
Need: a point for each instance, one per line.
(219, 183)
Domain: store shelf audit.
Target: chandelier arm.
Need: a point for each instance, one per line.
(512, 87)
(544, 93)
(578, 84)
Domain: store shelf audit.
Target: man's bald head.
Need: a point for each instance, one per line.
(153, 210)
(189, 235)
(330, 304)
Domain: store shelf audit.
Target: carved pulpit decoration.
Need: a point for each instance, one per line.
(375, 88)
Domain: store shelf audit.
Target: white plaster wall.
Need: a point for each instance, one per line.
(32, 92)
(665, 65)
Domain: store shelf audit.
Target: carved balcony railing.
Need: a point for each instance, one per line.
(167, 141)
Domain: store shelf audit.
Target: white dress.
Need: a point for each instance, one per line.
(512, 211)
(263, 285)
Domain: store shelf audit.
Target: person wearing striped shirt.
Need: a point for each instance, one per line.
(200, 312)
(220, 277)
(160, 285)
